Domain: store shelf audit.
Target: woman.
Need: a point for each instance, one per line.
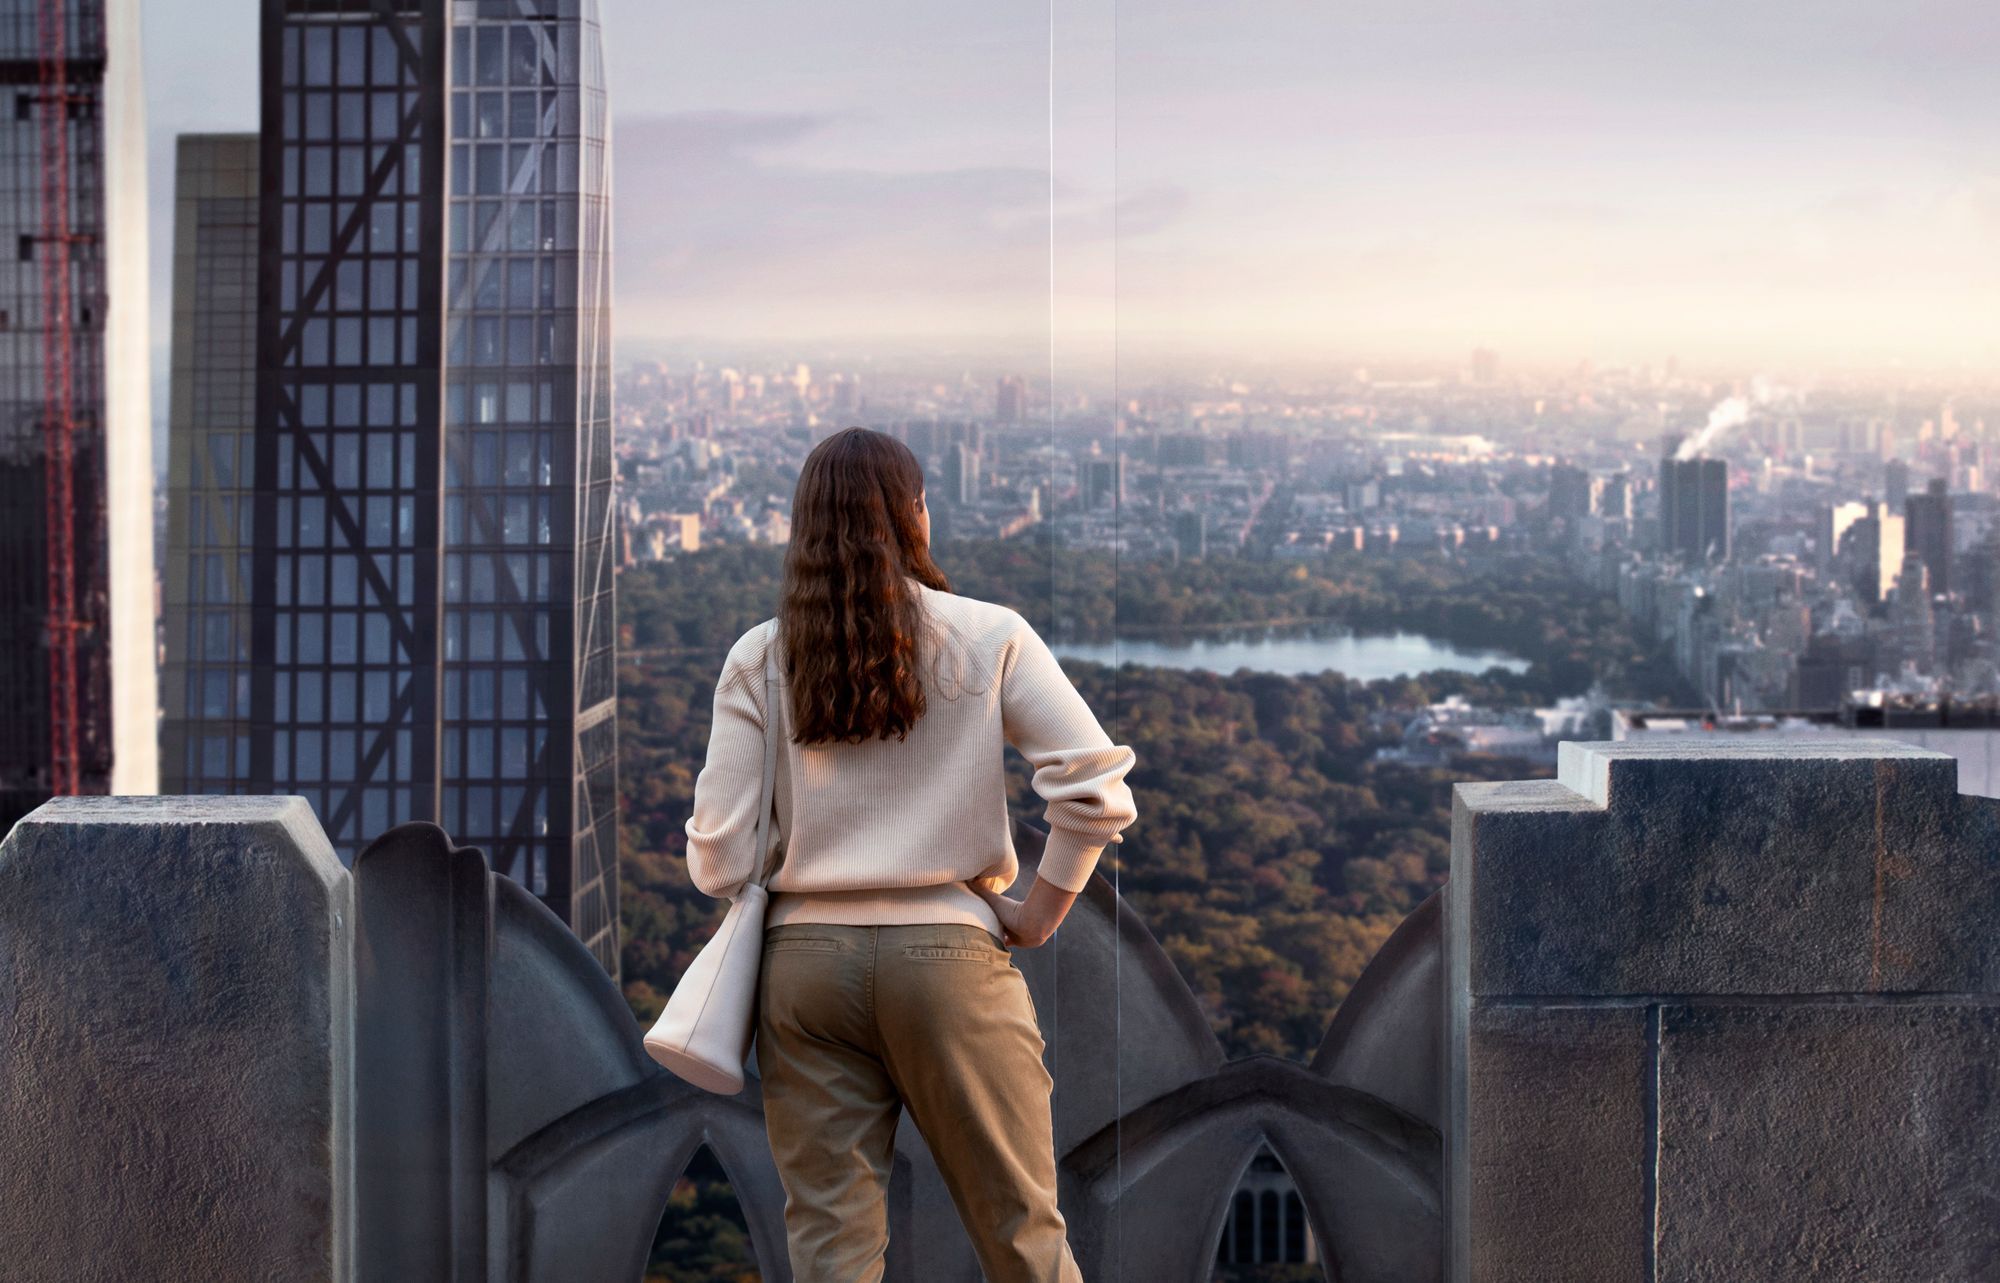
(886, 982)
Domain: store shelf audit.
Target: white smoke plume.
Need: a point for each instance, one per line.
(1732, 413)
(1729, 414)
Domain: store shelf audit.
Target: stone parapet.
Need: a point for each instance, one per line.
(176, 1043)
(228, 1058)
(1724, 1011)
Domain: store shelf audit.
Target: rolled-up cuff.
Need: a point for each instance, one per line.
(1068, 858)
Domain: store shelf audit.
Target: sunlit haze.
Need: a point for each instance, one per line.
(1726, 183)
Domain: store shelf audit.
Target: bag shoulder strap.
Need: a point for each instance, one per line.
(770, 779)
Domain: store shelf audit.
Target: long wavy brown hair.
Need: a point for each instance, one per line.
(850, 625)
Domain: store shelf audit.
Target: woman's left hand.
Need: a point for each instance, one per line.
(1009, 913)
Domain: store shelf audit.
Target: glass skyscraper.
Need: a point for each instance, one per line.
(528, 736)
(77, 688)
(205, 739)
(431, 611)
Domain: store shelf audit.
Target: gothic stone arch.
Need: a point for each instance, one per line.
(507, 1113)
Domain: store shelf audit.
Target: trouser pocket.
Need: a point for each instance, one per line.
(802, 944)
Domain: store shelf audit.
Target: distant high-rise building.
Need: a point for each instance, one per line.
(1916, 635)
(1928, 527)
(1010, 401)
(921, 436)
(430, 561)
(683, 531)
(1831, 668)
(932, 437)
(1103, 482)
(961, 473)
(1181, 450)
(1191, 535)
(1873, 552)
(1982, 577)
(1569, 493)
(1895, 483)
(1834, 522)
(527, 476)
(1614, 497)
(1485, 365)
(77, 663)
(1694, 508)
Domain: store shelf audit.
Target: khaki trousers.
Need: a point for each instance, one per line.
(856, 1024)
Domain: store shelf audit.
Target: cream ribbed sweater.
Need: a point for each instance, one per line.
(890, 831)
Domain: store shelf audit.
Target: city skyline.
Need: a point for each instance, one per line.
(1783, 185)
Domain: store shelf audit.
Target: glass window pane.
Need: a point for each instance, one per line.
(319, 56)
(479, 695)
(347, 286)
(382, 285)
(354, 56)
(310, 707)
(527, 57)
(342, 689)
(489, 169)
(342, 649)
(319, 117)
(491, 121)
(387, 57)
(524, 116)
(353, 117)
(492, 56)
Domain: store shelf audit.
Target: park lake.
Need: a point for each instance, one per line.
(1297, 652)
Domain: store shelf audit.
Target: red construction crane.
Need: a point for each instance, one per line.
(58, 396)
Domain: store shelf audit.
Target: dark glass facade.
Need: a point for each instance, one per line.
(349, 390)
(430, 586)
(1694, 508)
(1928, 531)
(41, 269)
(528, 733)
(205, 683)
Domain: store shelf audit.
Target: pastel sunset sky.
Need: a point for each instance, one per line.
(1730, 182)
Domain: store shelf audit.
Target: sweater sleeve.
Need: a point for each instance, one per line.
(722, 832)
(1079, 772)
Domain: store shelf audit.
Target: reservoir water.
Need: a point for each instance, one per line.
(1295, 653)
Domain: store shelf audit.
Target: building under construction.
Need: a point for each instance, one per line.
(77, 642)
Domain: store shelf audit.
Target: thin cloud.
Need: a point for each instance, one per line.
(723, 214)
(1579, 212)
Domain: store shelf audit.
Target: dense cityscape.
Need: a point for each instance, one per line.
(1796, 549)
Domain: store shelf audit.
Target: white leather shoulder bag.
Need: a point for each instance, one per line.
(704, 1033)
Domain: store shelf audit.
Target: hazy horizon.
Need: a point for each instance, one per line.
(1812, 185)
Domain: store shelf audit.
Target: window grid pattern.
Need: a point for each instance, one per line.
(595, 624)
(432, 608)
(211, 469)
(526, 737)
(347, 448)
(25, 749)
